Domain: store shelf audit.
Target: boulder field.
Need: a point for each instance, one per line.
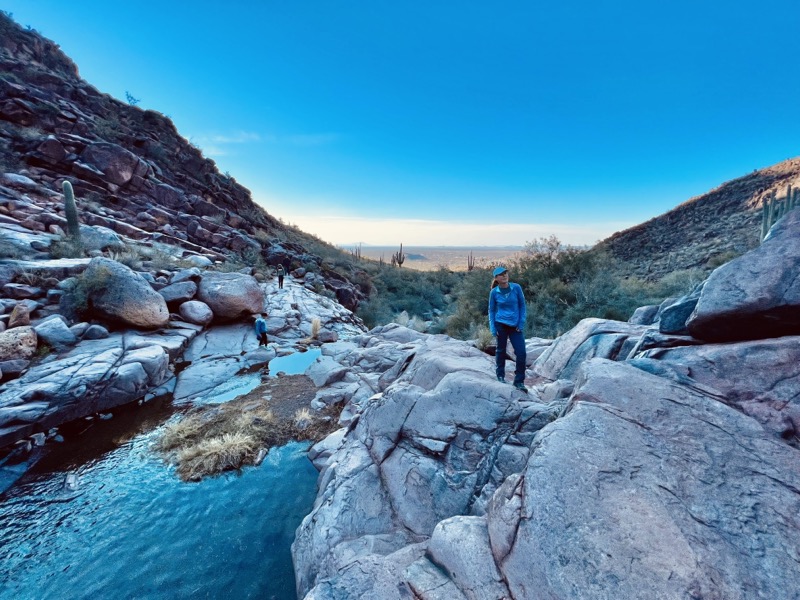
(88, 369)
(650, 459)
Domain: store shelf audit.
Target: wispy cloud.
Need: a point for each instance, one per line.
(220, 144)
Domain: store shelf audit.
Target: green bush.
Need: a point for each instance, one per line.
(562, 285)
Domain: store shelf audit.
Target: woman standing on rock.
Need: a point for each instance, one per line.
(507, 314)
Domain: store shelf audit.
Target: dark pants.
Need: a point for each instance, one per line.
(280, 282)
(262, 339)
(504, 334)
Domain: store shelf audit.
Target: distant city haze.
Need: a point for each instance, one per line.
(454, 122)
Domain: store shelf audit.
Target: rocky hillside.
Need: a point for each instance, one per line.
(131, 170)
(705, 231)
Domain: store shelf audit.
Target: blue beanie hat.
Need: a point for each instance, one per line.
(498, 270)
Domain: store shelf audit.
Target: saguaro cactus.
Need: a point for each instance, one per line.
(398, 258)
(71, 213)
(774, 208)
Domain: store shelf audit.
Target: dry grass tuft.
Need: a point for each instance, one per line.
(316, 325)
(214, 455)
(211, 439)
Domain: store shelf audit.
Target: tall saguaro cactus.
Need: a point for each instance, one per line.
(71, 213)
(774, 208)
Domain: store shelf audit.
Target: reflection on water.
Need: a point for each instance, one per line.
(293, 364)
(125, 527)
(104, 517)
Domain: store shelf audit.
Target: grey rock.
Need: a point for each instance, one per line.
(120, 295)
(756, 295)
(192, 274)
(589, 338)
(179, 292)
(55, 333)
(673, 317)
(97, 237)
(644, 315)
(761, 378)
(95, 332)
(689, 499)
(231, 295)
(196, 312)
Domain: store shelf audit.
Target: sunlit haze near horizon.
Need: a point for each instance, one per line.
(458, 123)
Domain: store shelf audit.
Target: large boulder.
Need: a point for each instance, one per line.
(756, 295)
(54, 332)
(231, 295)
(116, 293)
(183, 291)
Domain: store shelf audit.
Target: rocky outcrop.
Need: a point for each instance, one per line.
(96, 376)
(756, 295)
(641, 464)
(92, 371)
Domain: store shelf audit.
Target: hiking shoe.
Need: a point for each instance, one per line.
(521, 387)
(501, 379)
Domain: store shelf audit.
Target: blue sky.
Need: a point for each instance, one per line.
(455, 122)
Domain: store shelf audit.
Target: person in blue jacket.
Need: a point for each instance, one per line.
(507, 314)
(261, 329)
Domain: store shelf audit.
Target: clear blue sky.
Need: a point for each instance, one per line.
(455, 122)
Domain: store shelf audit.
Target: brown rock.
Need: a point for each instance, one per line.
(20, 316)
(18, 343)
(117, 164)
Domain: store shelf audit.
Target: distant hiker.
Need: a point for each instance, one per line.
(280, 273)
(261, 329)
(507, 314)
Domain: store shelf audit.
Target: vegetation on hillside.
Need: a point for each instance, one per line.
(562, 285)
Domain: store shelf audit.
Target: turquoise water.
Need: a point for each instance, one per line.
(108, 519)
(291, 364)
(131, 529)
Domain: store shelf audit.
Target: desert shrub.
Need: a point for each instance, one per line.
(418, 293)
(678, 283)
(80, 289)
(128, 257)
(483, 337)
(66, 248)
(562, 285)
(262, 236)
(214, 455)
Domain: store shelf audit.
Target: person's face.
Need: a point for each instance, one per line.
(502, 278)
